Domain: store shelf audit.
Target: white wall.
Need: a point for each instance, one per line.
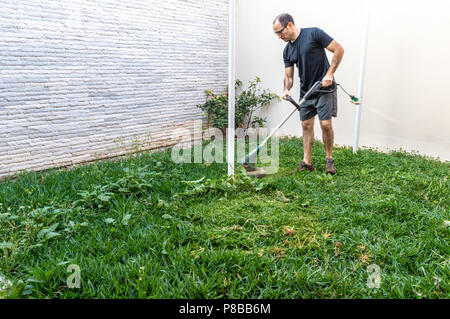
(406, 100)
(83, 80)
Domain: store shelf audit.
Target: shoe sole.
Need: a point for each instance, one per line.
(302, 170)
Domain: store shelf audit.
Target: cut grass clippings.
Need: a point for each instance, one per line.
(145, 227)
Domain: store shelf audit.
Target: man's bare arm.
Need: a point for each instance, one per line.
(338, 53)
(288, 81)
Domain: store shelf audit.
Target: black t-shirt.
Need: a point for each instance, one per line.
(308, 53)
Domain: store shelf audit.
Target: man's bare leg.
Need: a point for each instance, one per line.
(308, 140)
(327, 137)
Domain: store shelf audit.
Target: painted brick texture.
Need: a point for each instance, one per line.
(86, 80)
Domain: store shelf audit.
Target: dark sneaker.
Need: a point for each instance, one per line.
(329, 162)
(303, 166)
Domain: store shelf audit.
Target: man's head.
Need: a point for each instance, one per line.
(284, 27)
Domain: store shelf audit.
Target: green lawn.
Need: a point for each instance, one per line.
(137, 230)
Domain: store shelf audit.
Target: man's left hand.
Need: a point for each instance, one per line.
(327, 80)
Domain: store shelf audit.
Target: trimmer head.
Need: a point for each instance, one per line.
(254, 171)
(354, 100)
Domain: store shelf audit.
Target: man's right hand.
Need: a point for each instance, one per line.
(285, 94)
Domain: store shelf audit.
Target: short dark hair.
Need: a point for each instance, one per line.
(284, 19)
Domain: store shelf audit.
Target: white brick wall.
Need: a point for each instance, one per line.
(81, 80)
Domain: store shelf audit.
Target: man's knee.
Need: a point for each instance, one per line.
(326, 126)
(308, 125)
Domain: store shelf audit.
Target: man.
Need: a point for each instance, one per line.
(306, 48)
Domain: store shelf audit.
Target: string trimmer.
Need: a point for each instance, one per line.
(249, 165)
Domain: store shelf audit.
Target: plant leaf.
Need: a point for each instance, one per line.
(110, 220)
(125, 219)
(6, 245)
(52, 234)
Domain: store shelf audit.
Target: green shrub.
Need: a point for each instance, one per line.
(247, 102)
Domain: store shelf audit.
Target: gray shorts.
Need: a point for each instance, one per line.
(324, 104)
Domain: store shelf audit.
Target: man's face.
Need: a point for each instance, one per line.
(282, 31)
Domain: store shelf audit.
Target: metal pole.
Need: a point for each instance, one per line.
(361, 77)
(231, 90)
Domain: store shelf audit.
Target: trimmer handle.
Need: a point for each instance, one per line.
(310, 92)
(290, 99)
(313, 89)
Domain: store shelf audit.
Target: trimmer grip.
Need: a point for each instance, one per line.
(313, 89)
(290, 99)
